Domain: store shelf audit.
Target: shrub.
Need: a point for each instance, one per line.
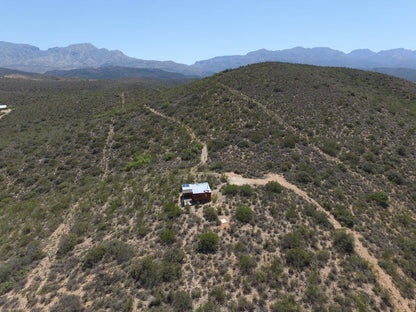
(172, 211)
(243, 190)
(208, 307)
(330, 147)
(290, 141)
(380, 198)
(208, 242)
(146, 272)
(274, 187)
(210, 214)
(244, 214)
(117, 250)
(298, 258)
(292, 240)
(343, 242)
(68, 303)
(395, 177)
(344, 216)
(246, 264)
(217, 294)
(140, 160)
(303, 177)
(66, 244)
(167, 236)
(182, 301)
(287, 304)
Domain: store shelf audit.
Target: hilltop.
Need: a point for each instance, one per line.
(314, 169)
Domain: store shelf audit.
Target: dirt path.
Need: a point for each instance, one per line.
(5, 112)
(204, 152)
(107, 147)
(41, 272)
(400, 303)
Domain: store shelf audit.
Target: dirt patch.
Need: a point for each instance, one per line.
(4, 112)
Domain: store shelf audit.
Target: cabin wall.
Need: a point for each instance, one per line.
(201, 197)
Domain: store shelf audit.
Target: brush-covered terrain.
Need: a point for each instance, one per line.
(90, 173)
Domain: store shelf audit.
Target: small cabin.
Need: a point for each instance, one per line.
(3, 106)
(198, 192)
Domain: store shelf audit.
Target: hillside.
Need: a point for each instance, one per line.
(314, 169)
(116, 72)
(405, 73)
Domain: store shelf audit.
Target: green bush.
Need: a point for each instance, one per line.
(343, 242)
(380, 198)
(274, 187)
(182, 301)
(217, 295)
(303, 177)
(287, 304)
(243, 190)
(330, 147)
(115, 249)
(244, 214)
(246, 264)
(292, 240)
(140, 160)
(146, 272)
(344, 216)
(298, 257)
(66, 244)
(172, 211)
(167, 236)
(68, 303)
(210, 214)
(208, 242)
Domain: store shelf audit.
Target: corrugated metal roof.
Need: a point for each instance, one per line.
(197, 188)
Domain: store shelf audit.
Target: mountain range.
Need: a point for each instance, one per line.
(398, 62)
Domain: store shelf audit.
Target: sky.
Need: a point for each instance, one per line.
(188, 31)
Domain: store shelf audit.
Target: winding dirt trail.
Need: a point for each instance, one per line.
(400, 303)
(204, 152)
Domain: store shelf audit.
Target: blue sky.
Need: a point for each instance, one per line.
(187, 31)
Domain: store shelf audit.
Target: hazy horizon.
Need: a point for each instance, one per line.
(186, 32)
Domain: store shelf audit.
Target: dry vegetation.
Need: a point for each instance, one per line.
(90, 173)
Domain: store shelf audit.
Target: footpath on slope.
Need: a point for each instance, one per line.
(204, 152)
(399, 302)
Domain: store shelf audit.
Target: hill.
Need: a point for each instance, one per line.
(405, 73)
(314, 169)
(116, 72)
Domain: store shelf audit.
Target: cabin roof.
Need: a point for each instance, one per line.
(196, 188)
